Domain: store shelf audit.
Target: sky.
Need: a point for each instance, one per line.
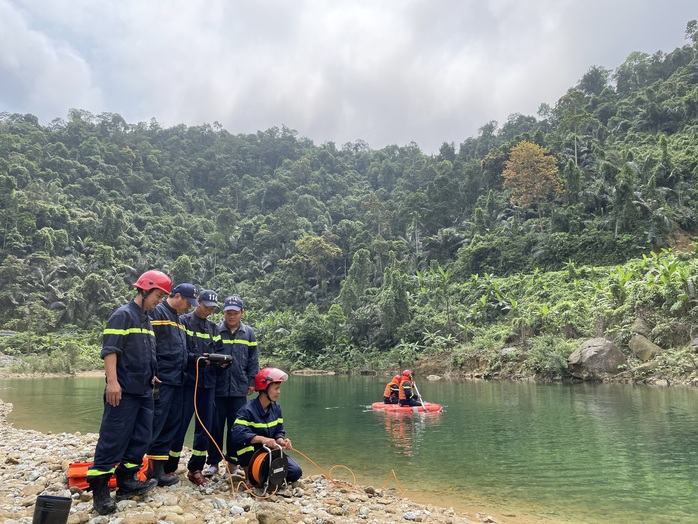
(381, 71)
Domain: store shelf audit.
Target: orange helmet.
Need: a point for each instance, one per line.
(268, 376)
(154, 280)
(407, 373)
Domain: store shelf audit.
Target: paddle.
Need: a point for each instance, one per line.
(419, 395)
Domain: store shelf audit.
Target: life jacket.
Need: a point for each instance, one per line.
(406, 390)
(392, 388)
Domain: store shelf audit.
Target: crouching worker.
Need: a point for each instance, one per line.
(128, 350)
(260, 423)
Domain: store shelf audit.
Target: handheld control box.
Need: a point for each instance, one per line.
(219, 359)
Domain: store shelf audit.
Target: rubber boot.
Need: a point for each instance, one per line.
(156, 470)
(101, 499)
(129, 486)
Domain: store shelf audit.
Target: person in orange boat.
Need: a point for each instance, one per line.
(391, 395)
(408, 397)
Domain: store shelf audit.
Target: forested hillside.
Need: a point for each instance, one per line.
(537, 232)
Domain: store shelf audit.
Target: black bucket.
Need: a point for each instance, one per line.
(51, 510)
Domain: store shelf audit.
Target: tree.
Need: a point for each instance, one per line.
(357, 281)
(393, 306)
(573, 177)
(573, 117)
(692, 32)
(318, 253)
(532, 176)
(632, 74)
(182, 270)
(594, 80)
(624, 210)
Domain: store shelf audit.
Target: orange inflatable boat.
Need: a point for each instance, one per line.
(428, 407)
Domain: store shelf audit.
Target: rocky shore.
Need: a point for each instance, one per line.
(33, 463)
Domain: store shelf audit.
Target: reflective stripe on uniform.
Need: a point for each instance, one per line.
(245, 450)
(167, 323)
(252, 424)
(198, 334)
(129, 331)
(239, 341)
(96, 472)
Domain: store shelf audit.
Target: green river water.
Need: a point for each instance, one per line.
(543, 453)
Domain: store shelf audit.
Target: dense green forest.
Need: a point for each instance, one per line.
(535, 234)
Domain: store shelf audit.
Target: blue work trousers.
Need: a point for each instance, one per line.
(124, 435)
(225, 413)
(166, 421)
(204, 407)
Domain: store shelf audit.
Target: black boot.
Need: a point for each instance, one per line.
(156, 470)
(172, 464)
(101, 499)
(129, 486)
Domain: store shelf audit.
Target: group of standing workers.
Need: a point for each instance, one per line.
(400, 390)
(154, 356)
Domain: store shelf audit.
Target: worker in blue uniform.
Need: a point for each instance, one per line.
(128, 350)
(233, 384)
(261, 423)
(172, 357)
(203, 339)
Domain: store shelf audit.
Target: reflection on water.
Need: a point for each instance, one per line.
(405, 431)
(560, 453)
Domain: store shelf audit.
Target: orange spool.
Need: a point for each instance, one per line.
(268, 467)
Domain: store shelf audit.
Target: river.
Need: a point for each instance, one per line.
(551, 453)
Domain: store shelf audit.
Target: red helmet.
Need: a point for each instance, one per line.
(397, 377)
(154, 280)
(268, 376)
(407, 373)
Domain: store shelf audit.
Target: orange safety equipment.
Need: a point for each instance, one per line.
(406, 390)
(392, 384)
(77, 474)
(154, 280)
(407, 373)
(268, 376)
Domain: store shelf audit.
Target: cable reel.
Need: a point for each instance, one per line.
(268, 468)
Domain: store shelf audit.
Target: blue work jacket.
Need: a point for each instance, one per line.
(242, 345)
(171, 344)
(128, 333)
(251, 421)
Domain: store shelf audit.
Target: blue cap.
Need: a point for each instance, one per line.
(234, 303)
(208, 297)
(188, 291)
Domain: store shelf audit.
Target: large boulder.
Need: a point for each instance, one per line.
(641, 327)
(643, 349)
(596, 359)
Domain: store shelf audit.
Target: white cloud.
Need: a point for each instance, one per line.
(40, 74)
(385, 72)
